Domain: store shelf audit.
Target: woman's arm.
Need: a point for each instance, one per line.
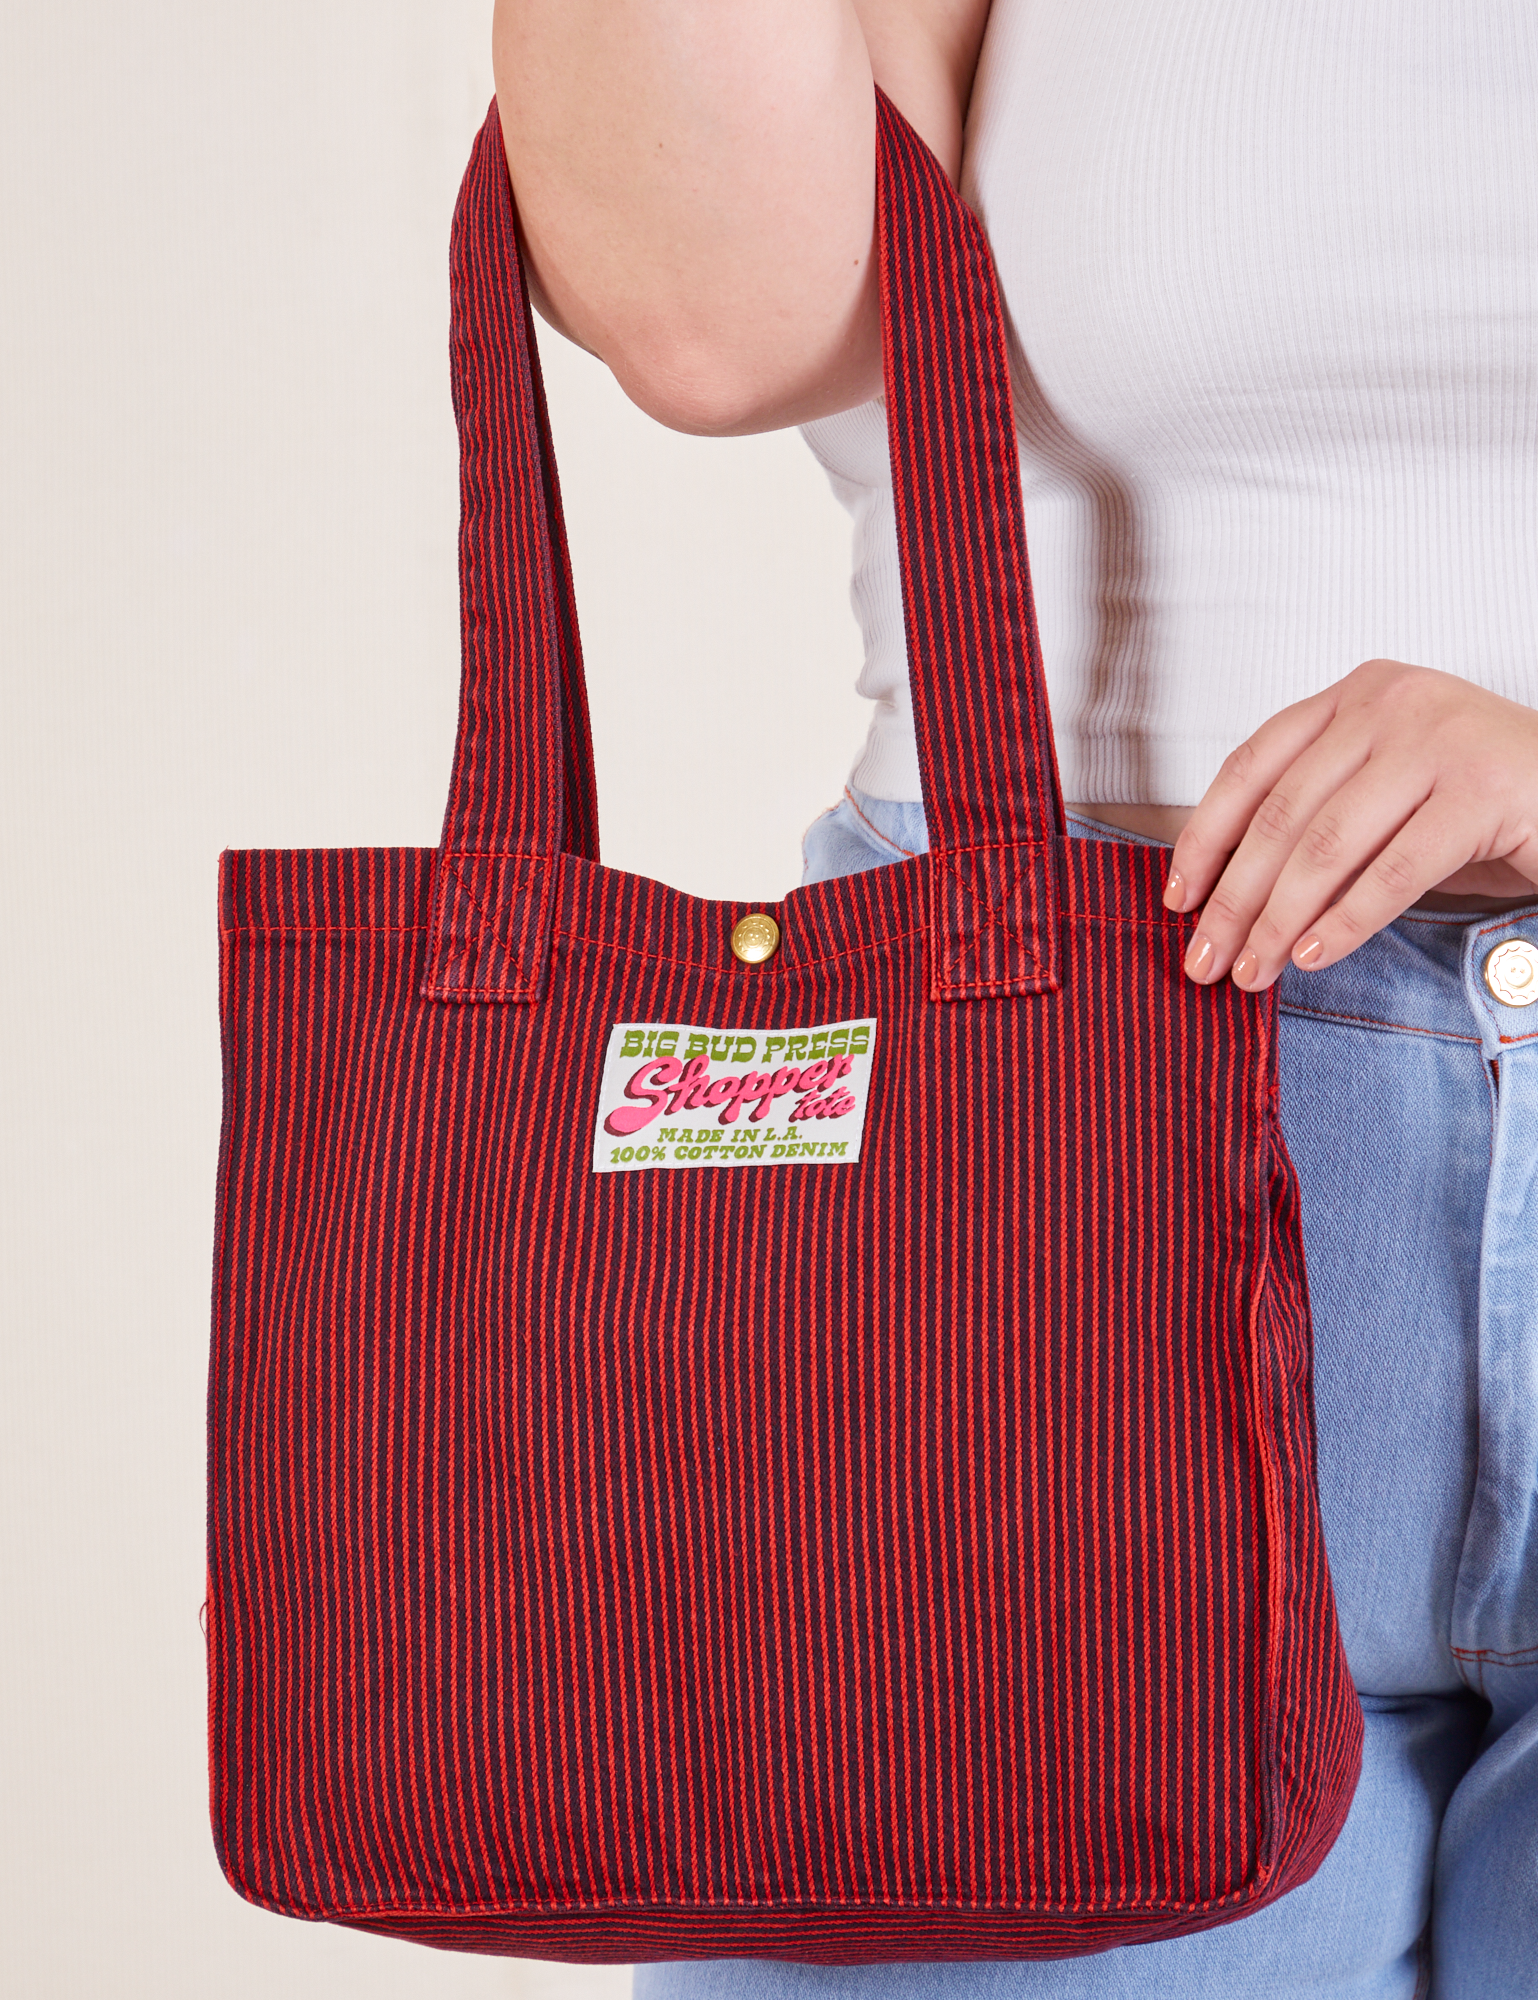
(696, 186)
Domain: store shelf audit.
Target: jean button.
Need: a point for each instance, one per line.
(1511, 972)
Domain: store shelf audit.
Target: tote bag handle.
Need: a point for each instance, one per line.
(522, 793)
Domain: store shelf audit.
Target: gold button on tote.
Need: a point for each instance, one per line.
(756, 938)
(1511, 973)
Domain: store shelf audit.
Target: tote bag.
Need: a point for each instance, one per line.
(803, 1454)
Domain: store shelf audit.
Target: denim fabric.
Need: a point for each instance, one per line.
(1410, 1107)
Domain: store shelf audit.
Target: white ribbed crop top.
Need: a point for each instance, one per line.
(1273, 271)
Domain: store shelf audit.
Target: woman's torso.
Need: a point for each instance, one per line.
(1274, 277)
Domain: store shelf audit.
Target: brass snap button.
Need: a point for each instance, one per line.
(755, 938)
(1511, 973)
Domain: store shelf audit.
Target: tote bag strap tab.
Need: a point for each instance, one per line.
(993, 922)
(489, 926)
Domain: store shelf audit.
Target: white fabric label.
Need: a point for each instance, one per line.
(675, 1094)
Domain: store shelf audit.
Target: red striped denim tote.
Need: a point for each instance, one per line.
(800, 1450)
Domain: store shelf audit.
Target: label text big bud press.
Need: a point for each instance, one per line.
(819, 1073)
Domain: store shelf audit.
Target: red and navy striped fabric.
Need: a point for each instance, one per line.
(911, 1558)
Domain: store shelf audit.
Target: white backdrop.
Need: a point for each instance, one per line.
(227, 609)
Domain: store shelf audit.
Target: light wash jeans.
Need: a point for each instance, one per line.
(1410, 1106)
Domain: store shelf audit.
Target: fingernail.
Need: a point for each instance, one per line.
(1308, 951)
(1199, 956)
(1246, 965)
(1175, 891)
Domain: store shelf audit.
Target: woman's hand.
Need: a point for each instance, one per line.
(1346, 808)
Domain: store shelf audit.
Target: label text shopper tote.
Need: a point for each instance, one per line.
(810, 1459)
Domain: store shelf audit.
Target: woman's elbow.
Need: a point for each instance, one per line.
(718, 388)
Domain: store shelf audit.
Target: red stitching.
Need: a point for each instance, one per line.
(1036, 981)
(712, 965)
(320, 930)
(620, 1906)
(988, 847)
